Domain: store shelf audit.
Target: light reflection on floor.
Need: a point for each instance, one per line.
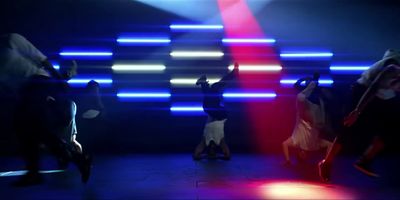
(303, 190)
(22, 172)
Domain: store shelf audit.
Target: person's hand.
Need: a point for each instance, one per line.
(77, 146)
(351, 118)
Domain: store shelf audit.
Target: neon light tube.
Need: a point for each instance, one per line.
(306, 55)
(249, 95)
(134, 67)
(81, 53)
(194, 54)
(195, 27)
(143, 40)
(186, 109)
(248, 40)
(257, 67)
(189, 81)
(293, 81)
(143, 95)
(86, 80)
(348, 68)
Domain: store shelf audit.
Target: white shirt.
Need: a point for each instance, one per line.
(384, 91)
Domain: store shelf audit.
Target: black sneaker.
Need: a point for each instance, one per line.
(365, 168)
(324, 170)
(84, 166)
(29, 179)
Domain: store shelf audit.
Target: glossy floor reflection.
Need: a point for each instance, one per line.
(177, 176)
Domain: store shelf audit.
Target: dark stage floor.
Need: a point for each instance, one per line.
(177, 176)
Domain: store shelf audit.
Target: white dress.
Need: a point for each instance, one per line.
(309, 116)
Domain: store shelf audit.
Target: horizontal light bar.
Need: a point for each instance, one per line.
(193, 54)
(306, 55)
(143, 95)
(81, 53)
(23, 172)
(248, 40)
(348, 68)
(186, 109)
(293, 81)
(86, 80)
(257, 67)
(196, 27)
(189, 81)
(127, 40)
(249, 95)
(138, 67)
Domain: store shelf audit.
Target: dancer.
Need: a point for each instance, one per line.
(41, 91)
(309, 122)
(214, 129)
(374, 105)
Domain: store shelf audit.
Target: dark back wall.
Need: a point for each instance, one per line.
(354, 30)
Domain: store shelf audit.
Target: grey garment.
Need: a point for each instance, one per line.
(369, 75)
(19, 59)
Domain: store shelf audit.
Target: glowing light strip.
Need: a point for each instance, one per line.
(196, 27)
(293, 81)
(86, 80)
(348, 68)
(249, 95)
(23, 172)
(143, 95)
(186, 109)
(189, 81)
(138, 67)
(81, 53)
(247, 40)
(257, 67)
(143, 40)
(306, 55)
(189, 54)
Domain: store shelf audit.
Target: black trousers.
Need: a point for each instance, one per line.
(35, 122)
(379, 119)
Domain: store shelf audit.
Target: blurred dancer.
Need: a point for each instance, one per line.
(41, 92)
(374, 106)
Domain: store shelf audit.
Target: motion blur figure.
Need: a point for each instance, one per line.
(213, 134)
(42, 105)
(375, 107)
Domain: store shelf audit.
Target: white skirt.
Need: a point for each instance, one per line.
(305, 137)
(214, 131)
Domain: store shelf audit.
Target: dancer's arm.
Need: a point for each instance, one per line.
(298, 86)
(368, 96)
(54, 73)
